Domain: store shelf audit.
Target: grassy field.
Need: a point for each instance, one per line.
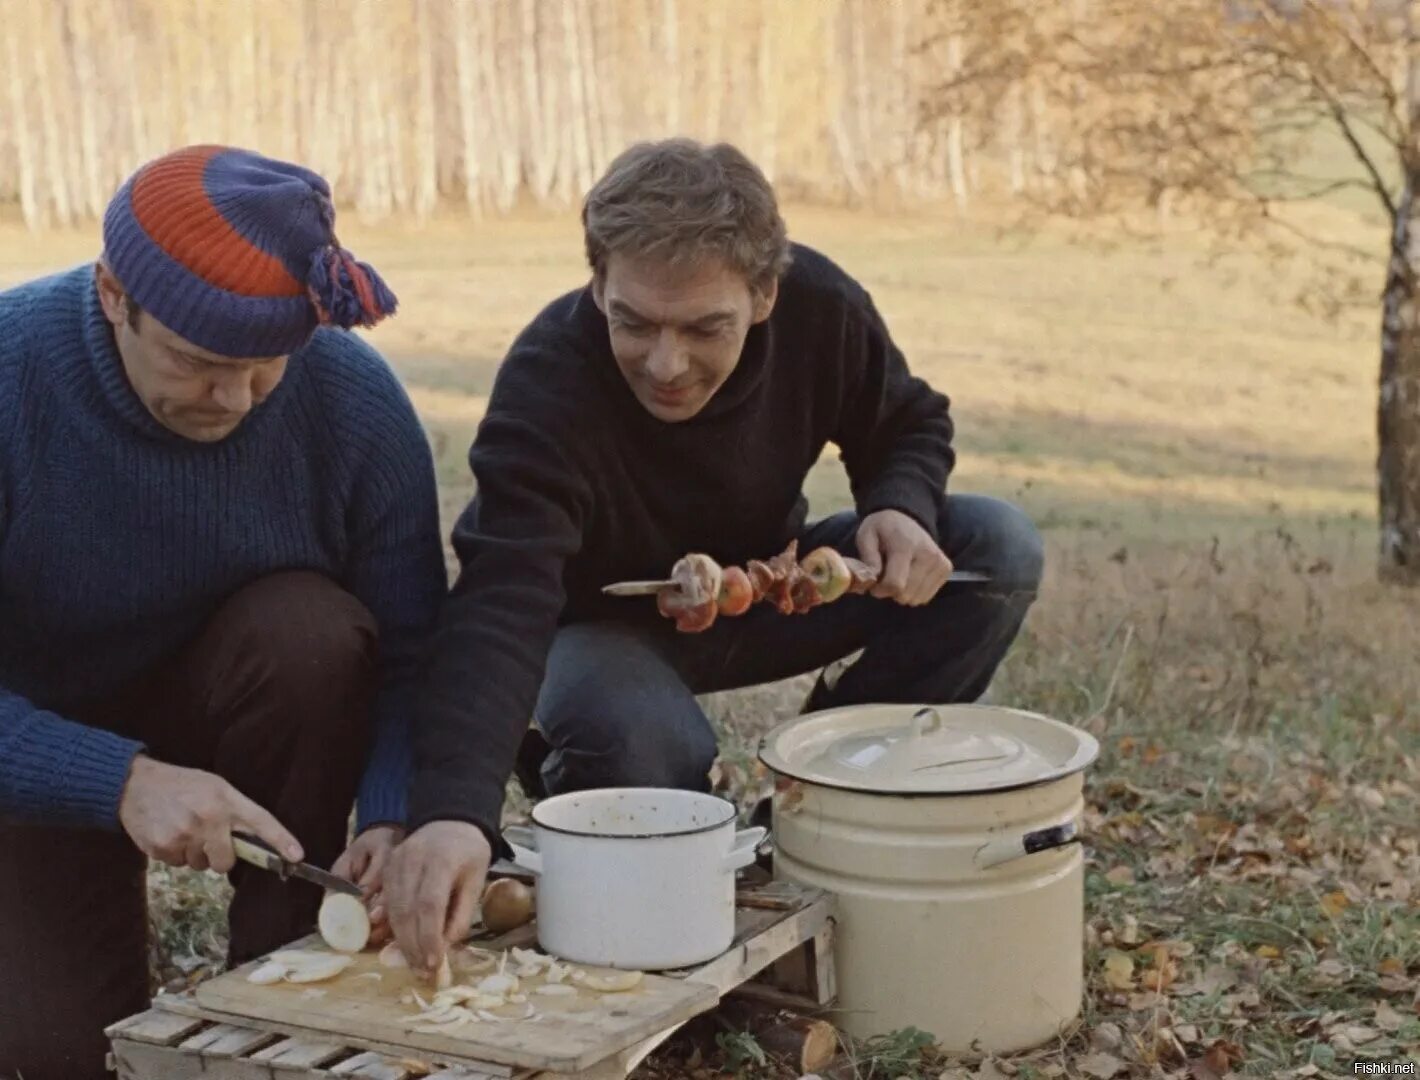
(1199, 453)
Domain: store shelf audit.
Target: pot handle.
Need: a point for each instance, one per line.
(1006, 849)
(523, 841)
(746, 843)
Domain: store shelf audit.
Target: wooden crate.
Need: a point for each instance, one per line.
(784, 935)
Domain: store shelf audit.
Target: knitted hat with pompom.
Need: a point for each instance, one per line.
(237, 252)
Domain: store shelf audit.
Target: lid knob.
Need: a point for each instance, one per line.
(925, 721)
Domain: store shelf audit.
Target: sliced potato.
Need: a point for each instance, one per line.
(343, 922)
(557, 990)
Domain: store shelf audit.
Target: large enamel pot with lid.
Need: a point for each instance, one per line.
(950, 835)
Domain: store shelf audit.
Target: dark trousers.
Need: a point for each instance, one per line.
(618, 708)
(273, 695)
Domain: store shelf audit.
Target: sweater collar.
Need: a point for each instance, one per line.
(107, 363)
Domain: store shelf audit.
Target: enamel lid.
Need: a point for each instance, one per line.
(926, 749)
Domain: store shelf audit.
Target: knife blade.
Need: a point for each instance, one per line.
(251, 849)
(651, 588)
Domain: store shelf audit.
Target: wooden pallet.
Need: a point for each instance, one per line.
(784, 935)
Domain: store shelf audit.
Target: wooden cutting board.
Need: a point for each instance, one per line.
(567, 1035)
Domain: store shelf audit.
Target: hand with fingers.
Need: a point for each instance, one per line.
(911, 567)
(433, 883)
(185, 817)
(365, 862)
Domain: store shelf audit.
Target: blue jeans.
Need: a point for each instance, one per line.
(618, 709)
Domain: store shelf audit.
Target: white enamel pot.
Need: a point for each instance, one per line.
(635, 878)
(950, 835)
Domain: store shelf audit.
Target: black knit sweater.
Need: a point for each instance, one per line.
(578, 486)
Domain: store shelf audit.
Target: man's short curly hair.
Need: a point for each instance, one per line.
(680, 200)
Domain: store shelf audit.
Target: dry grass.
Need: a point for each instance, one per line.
(1199, 453)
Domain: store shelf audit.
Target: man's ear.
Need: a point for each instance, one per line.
(599, 290)
(111, 294)
(764, 299)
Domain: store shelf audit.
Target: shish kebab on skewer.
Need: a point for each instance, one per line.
(699, 589)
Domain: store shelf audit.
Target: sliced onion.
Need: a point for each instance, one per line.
(343, 922)
(268, 973)
(614, 983)
(318, 968)
(392, 957)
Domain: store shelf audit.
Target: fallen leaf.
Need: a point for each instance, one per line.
(1332, 969)
(1106, 1036)
(1119, 971)
(1370, 797)
(1187, 1033)
(991, 1070)
(1360, 1035)
(1334, 903)
(1144, 1001)
(1267, 952)
(1388, 1019)
(1100, 1066)
(1163, 973)
(1120, 875)
(1214, 980)
(1222, 1055)
(1129, 935)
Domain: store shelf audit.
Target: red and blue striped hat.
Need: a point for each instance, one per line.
(237, 252)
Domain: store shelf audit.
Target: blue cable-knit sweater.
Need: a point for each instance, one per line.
(119, 538)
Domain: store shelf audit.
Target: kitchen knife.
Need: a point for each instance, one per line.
(252, 850)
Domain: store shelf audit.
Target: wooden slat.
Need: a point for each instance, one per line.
(371, 1066)
(156, 1026)
(618, 1065)
(183, 1004)
(750, 957)
(460, 1073)
(150, 1061)
(227, 1040)
(781, 999)
(300, 1053)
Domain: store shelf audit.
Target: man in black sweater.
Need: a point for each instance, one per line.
(676, 404)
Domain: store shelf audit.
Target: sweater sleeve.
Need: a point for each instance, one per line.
(54, 771)
(894, 431)
(396, 570)
(490, 650)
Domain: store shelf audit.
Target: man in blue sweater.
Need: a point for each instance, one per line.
(219, 556)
